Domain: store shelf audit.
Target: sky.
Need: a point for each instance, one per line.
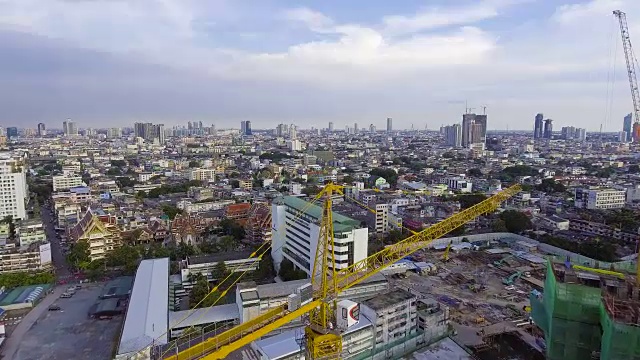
(108, 63)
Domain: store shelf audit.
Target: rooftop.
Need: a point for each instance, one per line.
(208, 315)
(390, 298)
(146, 322)
(224, 256)
(340, 222)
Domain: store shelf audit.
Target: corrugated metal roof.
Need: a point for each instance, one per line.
(147, 315)
(208, 315)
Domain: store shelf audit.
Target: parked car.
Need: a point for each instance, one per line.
(54, 308)
(66, 295)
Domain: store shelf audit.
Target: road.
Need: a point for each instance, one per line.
(57, 256)
(13, 341)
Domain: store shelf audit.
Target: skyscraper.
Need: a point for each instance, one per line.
(389, 124)
(12, 132)
(243, 127)
(626, 126)
(69, 127)
(548, 129)
(355, 128)
(293, 132)
(538, 126)
(372, 128)
(247, 128)
(474, 129)
(42, 130)
(330, 126)
(453, 135)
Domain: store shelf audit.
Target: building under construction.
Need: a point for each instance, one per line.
(588, 314)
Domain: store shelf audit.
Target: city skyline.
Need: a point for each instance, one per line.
(276, 62)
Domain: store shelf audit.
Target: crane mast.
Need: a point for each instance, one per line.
(631, 72)
(323, 339)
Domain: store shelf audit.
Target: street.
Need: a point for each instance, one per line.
(57, 256)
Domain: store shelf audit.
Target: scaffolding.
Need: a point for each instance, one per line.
(587, 316)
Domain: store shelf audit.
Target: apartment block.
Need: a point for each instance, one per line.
(13, 187)
(65, 182)
(202, 174)
(599, 198)
(34, 257)
(30, 231)
(382, 218)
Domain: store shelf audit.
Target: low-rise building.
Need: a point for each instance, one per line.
(65, 182)
(206, 265)
(30, 231)
(32, 257)
(599, 198)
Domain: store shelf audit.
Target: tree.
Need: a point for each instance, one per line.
(78, 255)
(348, 179)
(388, 174)
(475, 172)
(118, 163)
(232, 228)
(498, 225)
(633, 169)
(220, 271)
(468, 200)
(288, 272)
(200, 290)
(125, 181)
(234, 184)
(141, 194)
(393, 237)
(311, 190)
(551, 186)
(265, 268)
(125, 256)
(194, 163)
(516, 221)
(171, 211)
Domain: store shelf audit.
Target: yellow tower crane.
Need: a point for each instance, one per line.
(323, 339)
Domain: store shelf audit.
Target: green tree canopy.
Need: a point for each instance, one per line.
(78, 254)
(388, 174)
(516, 221)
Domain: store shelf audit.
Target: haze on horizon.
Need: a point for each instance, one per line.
(111, 63)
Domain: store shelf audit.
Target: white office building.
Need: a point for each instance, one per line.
(600, 198)
(296, 226)
(460, 184)
(13, 190)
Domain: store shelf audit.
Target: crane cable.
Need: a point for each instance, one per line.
(192, 310)
(220, 296)
(300, 213)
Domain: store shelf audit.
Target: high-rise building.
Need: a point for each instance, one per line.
(453, 135)
(159, 130)
(113, 133)
(538, 126)
(330, 126)
(281, 130)
(12, 132)
(568, 132)
(389, 124)
(69, 128)
(622, 136)
(42, 130)
(474, 129)
(293, 132)
(548, 129)
(245, 128)
(627, 126)
(14, 190)
(372, 128)
(355, 128)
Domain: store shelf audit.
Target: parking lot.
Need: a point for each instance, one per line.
(69, 333)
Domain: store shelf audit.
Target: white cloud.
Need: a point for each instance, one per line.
(397, 63)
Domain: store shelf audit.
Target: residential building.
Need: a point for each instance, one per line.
(599, 198)
(12, 132)
(245, 184)
(627, 126)
(296, 227)
(389, 124)
(453, 135)
(30, 231)
(474, 130)
(101, 237)
(459, 184)
(382, 218)
(13, 191)
(32, 257)
(202, 174)
(65, 182)
(245, 128)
